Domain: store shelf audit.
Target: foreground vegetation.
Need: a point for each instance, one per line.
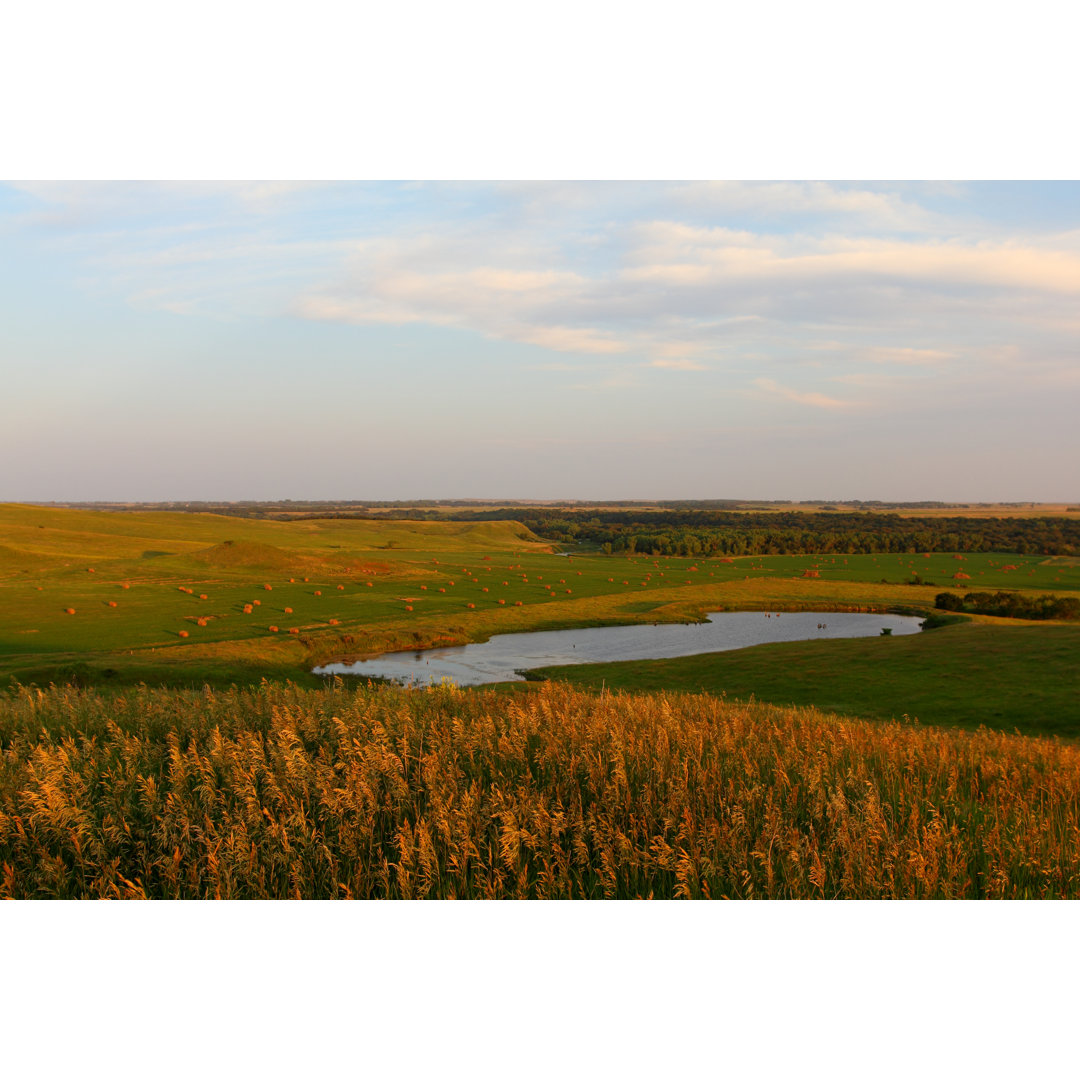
(284, 792)
(1008, 677)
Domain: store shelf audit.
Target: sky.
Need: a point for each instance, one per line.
(770, 340)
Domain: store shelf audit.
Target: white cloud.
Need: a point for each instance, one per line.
(817, 400)
(674, 363)
(884, 210)
(905, 356)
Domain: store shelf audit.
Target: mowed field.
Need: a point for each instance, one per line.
(181, 599)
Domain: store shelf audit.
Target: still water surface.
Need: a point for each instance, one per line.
(501, 658)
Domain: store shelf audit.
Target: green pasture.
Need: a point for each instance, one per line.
(1009, 677)
(350, 584)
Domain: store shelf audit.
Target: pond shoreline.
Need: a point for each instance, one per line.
(509, 656)
(441, 639)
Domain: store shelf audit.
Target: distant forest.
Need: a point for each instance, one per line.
(705, 533)
(1011, 605)
(695, 529)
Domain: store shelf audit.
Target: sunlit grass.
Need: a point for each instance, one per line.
(284, 792)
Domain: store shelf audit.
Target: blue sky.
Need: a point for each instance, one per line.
(550, 340)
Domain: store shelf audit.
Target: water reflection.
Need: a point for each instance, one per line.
(503, 657)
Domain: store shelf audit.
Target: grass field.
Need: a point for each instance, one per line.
(1022, 678)
(192, 598)
(283, 792)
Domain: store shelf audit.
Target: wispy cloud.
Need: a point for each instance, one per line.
(802, 397)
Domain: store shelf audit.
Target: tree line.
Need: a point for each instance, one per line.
(719, 533)
(1011, 605)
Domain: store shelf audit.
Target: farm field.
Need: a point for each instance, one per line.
(188, 599)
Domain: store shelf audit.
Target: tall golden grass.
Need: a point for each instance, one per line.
(283, 792)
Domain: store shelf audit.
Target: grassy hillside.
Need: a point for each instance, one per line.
(282, 792)
(1010, 677)
(100, 598)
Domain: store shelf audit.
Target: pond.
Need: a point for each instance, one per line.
(501, 658)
